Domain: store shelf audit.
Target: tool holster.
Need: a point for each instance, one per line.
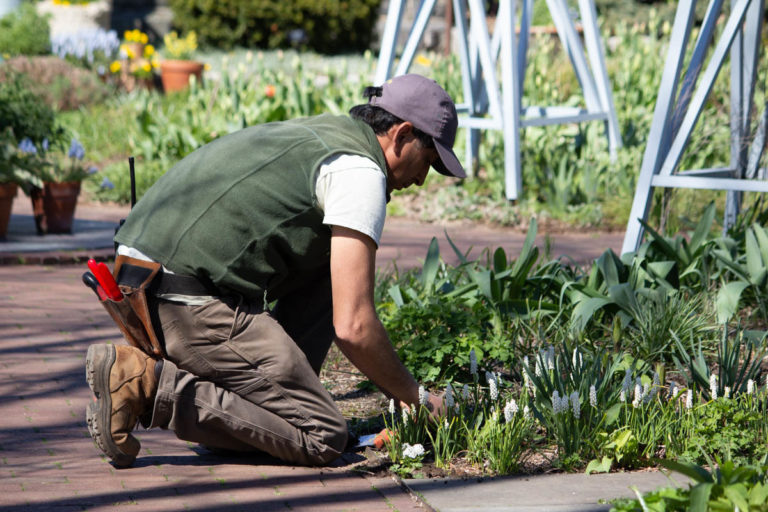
(132, 313)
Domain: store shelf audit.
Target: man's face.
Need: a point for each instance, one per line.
(409, 163)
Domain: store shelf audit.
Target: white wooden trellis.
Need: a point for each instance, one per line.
(486, 105)
(679, 105)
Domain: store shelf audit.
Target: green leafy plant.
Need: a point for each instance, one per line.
(727, 486)
(24, 32)
(325, 26)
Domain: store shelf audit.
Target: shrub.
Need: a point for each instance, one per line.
(59, 83)
(24, 32)
(24, 111)
(325, 26)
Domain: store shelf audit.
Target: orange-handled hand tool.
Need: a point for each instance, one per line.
(105, 279)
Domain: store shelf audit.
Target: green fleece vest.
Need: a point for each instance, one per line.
(241, 211)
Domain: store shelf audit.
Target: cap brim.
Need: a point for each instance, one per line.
(448, 164)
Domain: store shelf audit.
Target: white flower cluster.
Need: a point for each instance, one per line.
(391, 406)
(412, 451)
(577, 361)
(423, 396)
(689, 399)
(575, 405)
(510, 409)
(493, 385)
(592, 396)
(713, 386)
(560, 405)
(637, 399)
(750, 387)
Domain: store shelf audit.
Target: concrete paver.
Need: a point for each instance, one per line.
(49, 462)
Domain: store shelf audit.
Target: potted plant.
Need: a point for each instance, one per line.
(176, 71)
(57, 172)
(12, 174)
(137, 63)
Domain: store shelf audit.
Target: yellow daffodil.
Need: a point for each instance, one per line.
(149, 50)
(424, 61)
(115, 66)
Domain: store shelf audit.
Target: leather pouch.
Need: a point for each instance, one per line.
(132, 313)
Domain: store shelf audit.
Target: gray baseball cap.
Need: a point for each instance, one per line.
(421, 101)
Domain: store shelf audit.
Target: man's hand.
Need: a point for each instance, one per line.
(435, 405)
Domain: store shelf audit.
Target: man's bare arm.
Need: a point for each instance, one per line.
(359, 332)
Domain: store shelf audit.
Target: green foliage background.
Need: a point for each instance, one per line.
(330, 26)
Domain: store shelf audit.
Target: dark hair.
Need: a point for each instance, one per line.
(380, 120)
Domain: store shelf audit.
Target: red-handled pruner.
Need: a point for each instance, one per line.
(105, 279)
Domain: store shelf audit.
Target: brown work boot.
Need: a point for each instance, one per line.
(123, 380)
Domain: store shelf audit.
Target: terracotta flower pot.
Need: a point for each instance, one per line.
(175, 73)
(7, 193)
(54, 207)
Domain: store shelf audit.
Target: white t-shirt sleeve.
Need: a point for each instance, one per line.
(352, 192)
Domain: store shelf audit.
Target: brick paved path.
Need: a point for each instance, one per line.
(49, 462)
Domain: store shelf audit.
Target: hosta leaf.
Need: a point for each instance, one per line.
(728, 300)
(689, 469)
(661, 268)
(397, 295)
(737, 493)
(527, 246)
(499, 260)
(431, 265)
(762, 240)
(702, 228)
(584, 311)
(700, 497)
(755, 265)
(599, 466)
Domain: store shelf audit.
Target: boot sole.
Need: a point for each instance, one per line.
(98, 415)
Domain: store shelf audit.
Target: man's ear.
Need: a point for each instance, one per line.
(401, 134)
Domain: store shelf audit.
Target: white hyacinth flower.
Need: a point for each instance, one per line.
(538, 368)
(449, 401)
(526, 412)
(751, 387)
(713, 386)
(391, 406)
(525, 362)
(623, 396)
(550, 358)
(472, 362)
(405, 416)
(575, 405)
(465, 392)
(727, 392)
(565, 404)
(510, 410)
(627, 384)
(493, 387)
(423, 396)
(412, 451)
(689, 399)
(556, 402)
(576, 358)
(672, 390)
(648, 393)
(638, 397)
(592, 396)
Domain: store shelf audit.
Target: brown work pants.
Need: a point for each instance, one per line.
(241, 378)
